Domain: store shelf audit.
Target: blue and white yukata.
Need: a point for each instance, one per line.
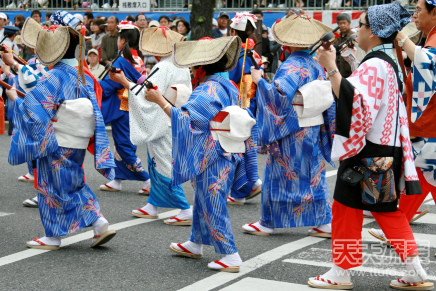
(295, 191)
(66, 202)
(250, 162)
(199, 158)
(151, 127)
(129, 166)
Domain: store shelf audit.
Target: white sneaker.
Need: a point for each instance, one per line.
(12, 5)
(94, 6)
(106, 6)
(115, 5)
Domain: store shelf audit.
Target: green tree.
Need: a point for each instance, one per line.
(201, 18)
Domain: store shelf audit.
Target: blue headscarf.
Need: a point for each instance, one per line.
(431, 2)
(387, 19)
(65, 19)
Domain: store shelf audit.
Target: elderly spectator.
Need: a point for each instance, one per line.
(223, 26)
(141, 21)
(344, 22)
(109, 41)
(95, 67)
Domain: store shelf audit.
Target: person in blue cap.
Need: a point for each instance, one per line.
(10, 32)
(372, 134)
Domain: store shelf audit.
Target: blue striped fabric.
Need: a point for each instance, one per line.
(295, 191)
(198, 157)
(67, 204)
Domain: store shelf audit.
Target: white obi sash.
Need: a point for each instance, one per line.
(75, 123)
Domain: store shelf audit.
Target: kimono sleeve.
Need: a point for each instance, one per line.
(34, 135)
(275, 113)
(193, 146)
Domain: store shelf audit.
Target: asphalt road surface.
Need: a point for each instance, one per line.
(138, 258)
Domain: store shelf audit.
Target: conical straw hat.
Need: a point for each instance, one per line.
(299, 31)
(29, 33)
(207, 51)
(51, 46)
(412, 32)
(159, 41)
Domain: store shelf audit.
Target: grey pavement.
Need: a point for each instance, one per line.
(138, 258)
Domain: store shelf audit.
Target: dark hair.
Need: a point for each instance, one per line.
(132, 38)
(257, 11)
(186, 23)
(342, 17)
(217, 67)
(35, 12)
(130, 18)
(384, 40)
(137, 16)
(100, 23)
(48, 15)
(20, 19)
(429, 6)
(89, 15)
(249, 30)
(74, 42)
(164, 17)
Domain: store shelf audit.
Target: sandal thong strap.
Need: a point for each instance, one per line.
(40, 242)
(184, 249)
(177, 219)
(319, 278)
(221, 264)
(254, 227)
(318, 230)
(143, 211)
(408, 283)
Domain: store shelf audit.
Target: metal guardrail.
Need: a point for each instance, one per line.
(184, 5)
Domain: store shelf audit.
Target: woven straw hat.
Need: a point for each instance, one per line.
(299, 31)
(51, 46)
(159, 41)
(412, 32)
(29, 33)
(207, 51)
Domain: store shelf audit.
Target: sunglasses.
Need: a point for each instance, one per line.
(363, 24)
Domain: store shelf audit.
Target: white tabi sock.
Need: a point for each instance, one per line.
(415, 271)
(185, 214)
(325, 228)
(257, 184)
(193, 247)
(263, 228)
(337, 274)
(52, 241)
(147, 185)
(101, 225)
(116, 184)
(151, 209)
(232, 260)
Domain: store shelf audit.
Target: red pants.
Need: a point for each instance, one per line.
(347, 234)
(409, 204)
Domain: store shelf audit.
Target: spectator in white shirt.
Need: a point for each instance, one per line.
(95, 67)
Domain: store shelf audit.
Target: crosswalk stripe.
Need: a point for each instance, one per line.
(81, 237)
(252, 264)
(256, 284)
(429, 218)
(378, 271)
(5, 214)
(422, 239)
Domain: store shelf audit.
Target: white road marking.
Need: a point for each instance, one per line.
(80, 237)
(384, 271)
(429, 200)
(429, 218)
(422, 239)
(222, 278)
(256, 284)
(5, 214)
